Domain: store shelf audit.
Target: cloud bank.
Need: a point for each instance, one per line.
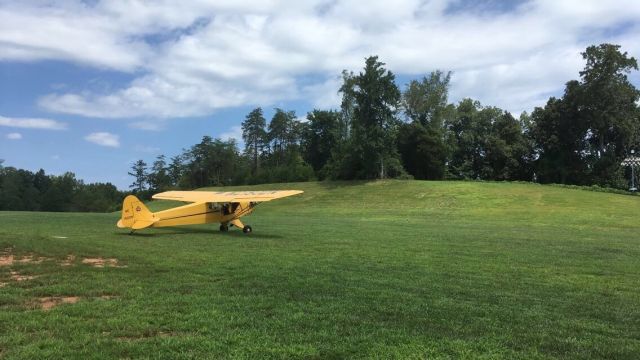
(219, 54)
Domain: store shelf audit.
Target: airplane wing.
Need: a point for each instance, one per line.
(225, 196)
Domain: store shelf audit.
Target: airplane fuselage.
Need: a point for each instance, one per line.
(204, 207)
(202, 213)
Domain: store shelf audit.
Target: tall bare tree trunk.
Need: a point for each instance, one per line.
(255, 159)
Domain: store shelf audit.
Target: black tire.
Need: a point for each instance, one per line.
(247, 229)
(224, 227)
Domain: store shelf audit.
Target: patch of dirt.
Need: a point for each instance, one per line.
(2, 284)
(30, 259)
(68, 261)
(6, 260)
(101, 262)
(48, 303)
(19, 277)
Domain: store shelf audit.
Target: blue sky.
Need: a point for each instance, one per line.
(90, 87)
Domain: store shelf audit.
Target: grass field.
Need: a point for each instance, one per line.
(347, 270)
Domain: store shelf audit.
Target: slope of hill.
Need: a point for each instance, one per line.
(378, 269)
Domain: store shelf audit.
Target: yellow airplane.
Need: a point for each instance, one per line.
(206, 207)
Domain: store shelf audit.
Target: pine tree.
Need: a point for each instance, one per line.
(255, 137)
(139, 172)
(374, 124)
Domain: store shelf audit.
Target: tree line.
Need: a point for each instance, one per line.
(23, 190)
(382, 131)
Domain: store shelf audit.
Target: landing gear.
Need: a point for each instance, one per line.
(245, 228)
(237, 223)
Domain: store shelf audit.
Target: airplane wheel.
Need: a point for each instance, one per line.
(224, 227)
(246, 229)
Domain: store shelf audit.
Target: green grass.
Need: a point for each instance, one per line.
(347, 270)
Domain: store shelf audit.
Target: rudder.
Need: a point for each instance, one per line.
(135, 214)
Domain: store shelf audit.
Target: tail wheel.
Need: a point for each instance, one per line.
(247, 229)
(224, 227)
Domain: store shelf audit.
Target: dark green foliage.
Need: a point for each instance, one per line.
(212, 162)
(97, 198)
(281, 134)
(17, 190)
(423, 151)
(609, 106)
(421, 143)
(584, 136)
(559, 135)
(273, 156)
(41, 181)
(348, 103)
(255, 137)
(321, 138)
(24, 190)
(175, 170)
(488, 143)
(140, 175)
(509, 152)
(467, 136)
(371, 148)
(159, 178)
(425, 102)
(292, 168)
(283, 160)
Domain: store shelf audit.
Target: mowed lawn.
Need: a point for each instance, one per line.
(390, 269)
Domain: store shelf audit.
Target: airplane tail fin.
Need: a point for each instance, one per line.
(135, 214)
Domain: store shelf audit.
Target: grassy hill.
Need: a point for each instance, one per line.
(382, 269)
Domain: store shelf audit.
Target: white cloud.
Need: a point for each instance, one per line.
(32, 123)
(518, 86)
(324, 95)
(67, 32)
(14, 136)
(212, 55)
(234, 133)
(104, 139)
